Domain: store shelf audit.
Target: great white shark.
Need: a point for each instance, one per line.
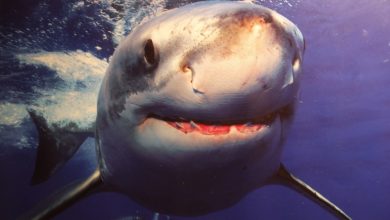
(192, 113)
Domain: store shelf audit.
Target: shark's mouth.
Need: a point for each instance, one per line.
(219, 128)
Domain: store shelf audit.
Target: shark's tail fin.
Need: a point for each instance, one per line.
(65, 198)
(56, 146)
(284, 177)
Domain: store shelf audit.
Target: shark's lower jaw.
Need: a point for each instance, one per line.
(203, 157)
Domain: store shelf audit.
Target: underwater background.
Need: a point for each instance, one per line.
(53, 54)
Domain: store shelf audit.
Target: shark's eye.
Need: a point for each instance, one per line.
(150, 53)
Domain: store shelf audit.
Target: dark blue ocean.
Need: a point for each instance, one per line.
(339, 142)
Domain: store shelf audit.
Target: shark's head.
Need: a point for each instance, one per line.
(194, 105)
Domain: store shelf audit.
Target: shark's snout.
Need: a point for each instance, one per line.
(242, 55)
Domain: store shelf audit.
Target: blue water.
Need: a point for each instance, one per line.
(339, 142)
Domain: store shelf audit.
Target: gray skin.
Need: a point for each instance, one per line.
(215, 63)
(208, 65)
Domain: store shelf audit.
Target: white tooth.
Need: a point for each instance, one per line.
(193, 124)
(249, 124)
(179, 125)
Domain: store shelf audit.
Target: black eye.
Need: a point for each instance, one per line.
(150, 54)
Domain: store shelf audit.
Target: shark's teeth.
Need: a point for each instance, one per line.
(248, 128)
(178, 125)
(249, 124)
(194, 125)
(191, 126)
(218, 128)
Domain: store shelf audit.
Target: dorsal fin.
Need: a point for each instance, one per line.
(284, 177)
(66, 197)
(56, 146)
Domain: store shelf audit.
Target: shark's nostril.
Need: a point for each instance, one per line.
(185, 68)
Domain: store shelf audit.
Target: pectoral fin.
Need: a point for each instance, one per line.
(65, 198)
(284, 177)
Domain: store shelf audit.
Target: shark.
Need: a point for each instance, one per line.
(192, 113)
